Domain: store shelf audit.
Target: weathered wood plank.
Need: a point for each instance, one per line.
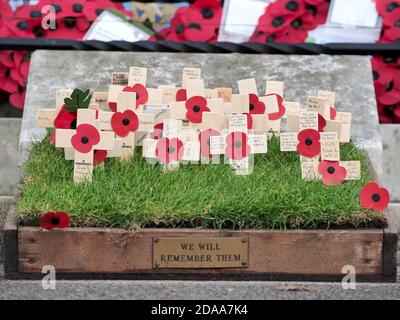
(390, 239)
(10, 240)
(95, 250)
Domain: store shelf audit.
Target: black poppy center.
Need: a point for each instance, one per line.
(331, 170)
(278, 21)
(292, 6)
(22, 25)
(171, 149)
(296, 23)
(70, 22)
(397, 23)
(84, 139)
(389, 86)
(77, 7)
(35, 14)
(38, 31)
(99, 11)
(125, 121)
(251, 106)
(73, 124)
(389, 110)
(194, 26)
(270, 38)
(57, 7)
(311, 9)
(55, 220)
(207, 13)
(391, 6)
(376, 197)
(196, 108)
(238, 144)
(375, 75)
(308, 142)
(180, 29)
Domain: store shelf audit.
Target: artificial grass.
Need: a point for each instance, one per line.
(137, 194)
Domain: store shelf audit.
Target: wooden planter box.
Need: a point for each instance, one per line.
(200, 254)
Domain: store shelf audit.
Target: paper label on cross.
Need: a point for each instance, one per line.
(137, 75)
(190, 74)
(120, 78)
(288, 141)
(330, 149)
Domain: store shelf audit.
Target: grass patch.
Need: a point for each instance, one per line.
(137, 194)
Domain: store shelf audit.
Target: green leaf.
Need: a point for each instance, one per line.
(78, 100)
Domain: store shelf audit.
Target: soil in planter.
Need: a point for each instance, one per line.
(137, 194)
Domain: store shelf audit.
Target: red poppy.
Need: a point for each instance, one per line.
(124, 122)
(387, 7)
(332, 113)
(157, 131)
(321, 123)
(391, 35)
(255, 105)
(204, 137)
(99, 156)
(17, 99)
(293, 35)
(372, 196)
(195, 107)
(85, 138)
(332, 173)
(168, 150)
(52, 220)
(270, 23)
(141, 93)
(287, 7)
(112, 106)
(181, 95)
(65, 119)
(316, 13)
(281, 112)
(388, 93)
(237, 147)
(309, 145)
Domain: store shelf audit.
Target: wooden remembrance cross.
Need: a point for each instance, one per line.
(84, 140)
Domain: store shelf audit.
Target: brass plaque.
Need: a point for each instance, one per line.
(186, 252)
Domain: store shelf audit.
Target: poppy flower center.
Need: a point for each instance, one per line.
(35, 14)
(270, 38)
(308, 142)
(311, 9)
(196, 108)
(171, 149)
(84, 140)
(397, 23)
(22, 25)
(238, 144)
(57, 8)
(55, 220)
(389, 110)
(73, 124)
(389, 86)
(331, 170)
(391, 6)
(251, 106)
(77, 7)
(99, 11)
(376, 197)
(38, 31)
(125, 121)
(375, 75)
(194, 26)
(207, 13)
(390, 59)
(296, 23)
(70, 22)
(292, 6)
(180, 29)
(278, 21)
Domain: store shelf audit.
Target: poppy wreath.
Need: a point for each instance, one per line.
(168, 150)
(52, 220)
(290, 20)
(197, 22)
(386, 70)
(372, 196)
(73, 19)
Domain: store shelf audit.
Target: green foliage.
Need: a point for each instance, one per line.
(137, 194)
(78, 99)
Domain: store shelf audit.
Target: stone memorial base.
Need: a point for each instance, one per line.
(196, 253)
